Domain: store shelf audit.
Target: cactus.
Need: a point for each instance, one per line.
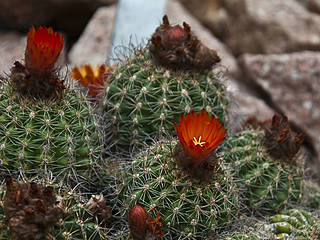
(143, 97)
(268, 164)
(46, 127)
(186, 181)
(241, 236)
(30, 211)
(294, 224)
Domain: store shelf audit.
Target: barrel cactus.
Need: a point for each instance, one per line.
(151, 88)
(184, 181)
(31, 211)
(46, 126)
(268, 164)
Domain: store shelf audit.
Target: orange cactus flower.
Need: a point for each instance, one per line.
(92, 79)
(43, 49)
(199, 134)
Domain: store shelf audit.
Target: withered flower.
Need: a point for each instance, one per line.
(200, 134)
(177, 47)
(280, 141)
(43, 49)
(92, 79)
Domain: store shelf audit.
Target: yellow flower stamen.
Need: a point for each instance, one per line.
(198, 142)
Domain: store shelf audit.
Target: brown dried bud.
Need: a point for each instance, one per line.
(138, 217)
(177, 47)
(280, 141)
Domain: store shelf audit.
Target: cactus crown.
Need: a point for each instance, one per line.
(37, 78)
(178, 48)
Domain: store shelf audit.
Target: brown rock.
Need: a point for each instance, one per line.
(177, 14)
(271, 26)
(291, 83)
(95, 42)
(69, 16)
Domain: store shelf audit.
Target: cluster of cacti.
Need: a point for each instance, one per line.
(174, 188)
(143, 98)
(46, 127)
(269, 168)
(31, 211)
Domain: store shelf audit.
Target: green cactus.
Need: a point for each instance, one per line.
(189, 208)
(143, 99)
(65, 216)
(240, 236)
(267, 184)
(48, 136)
(294, 224)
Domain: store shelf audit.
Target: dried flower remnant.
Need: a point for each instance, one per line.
(280, 141)
(142, 226)
(43, 49)
(29, 209)
(178, 48)
(92, 79)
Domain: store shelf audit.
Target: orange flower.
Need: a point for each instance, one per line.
(43, 49)
(92, 79)
(199, 134)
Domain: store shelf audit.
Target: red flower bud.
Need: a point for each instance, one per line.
(138, 222)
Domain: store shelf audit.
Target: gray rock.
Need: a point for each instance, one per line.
(177, 14)
(12, 47)
(259, 26)
(94, 44)
(291, 83)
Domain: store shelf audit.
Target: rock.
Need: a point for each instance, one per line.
(311, 5)
(210, 13)
(12, 47)
(69, 16)
(244, 105)
(177, 14)
(271, 26)
(291, 83)
(95, 42)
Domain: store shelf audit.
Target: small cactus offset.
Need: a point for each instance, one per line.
(294, 224)
(29, 211)
(268, 164)
(144, 97)
(45, 126)
(191, 188)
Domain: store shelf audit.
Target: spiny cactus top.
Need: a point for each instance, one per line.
(268, 165)
(46, 127)
(179, 48)
(92, 79)
(196, 194)
(144, 98)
